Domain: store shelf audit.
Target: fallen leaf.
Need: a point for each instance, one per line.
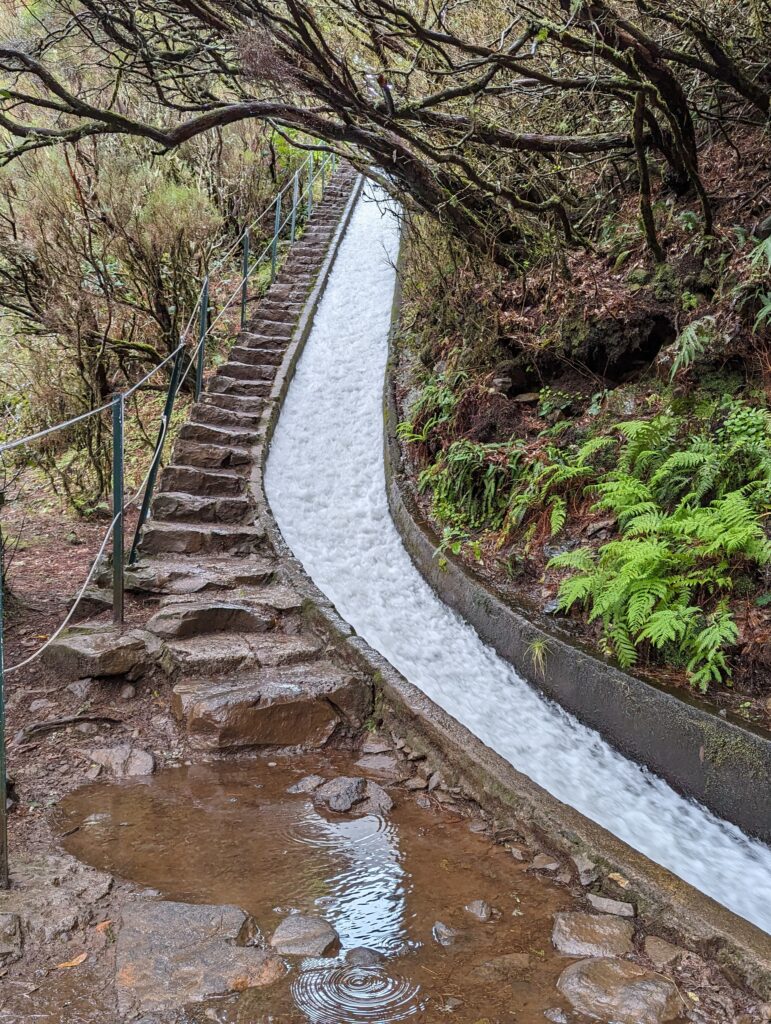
(73, 963)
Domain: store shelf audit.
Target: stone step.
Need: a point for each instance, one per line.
(190, 480)
(207, 433)
(311, 247)
(310, 260)
(271, 328)
(245, 372)
(285, 291)
(191, 508)
(211, 456)
(277, 309)
(223, 653)
(257, 356)
(285, 706)
(182, 617)
(214, 415)
(242, 404)
(200, 538)
(186, 576)
(226, 385)
(253, 339)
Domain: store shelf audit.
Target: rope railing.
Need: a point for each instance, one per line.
(185, 360)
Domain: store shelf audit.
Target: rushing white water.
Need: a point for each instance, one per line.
(326, 485)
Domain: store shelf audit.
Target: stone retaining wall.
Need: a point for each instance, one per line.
(472, 771)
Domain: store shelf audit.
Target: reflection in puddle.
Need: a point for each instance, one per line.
(230, 834)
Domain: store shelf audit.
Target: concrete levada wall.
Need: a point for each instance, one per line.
(479, 774)
(721, 763)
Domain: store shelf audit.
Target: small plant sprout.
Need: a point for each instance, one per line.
(537, 650)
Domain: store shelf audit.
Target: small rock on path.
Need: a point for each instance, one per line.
(123, 760)
(363, 956)
(577, 934)
(443, 934)
(480, 909)
(619, 991)
(362, 796)
(306, 785)
(303, 935)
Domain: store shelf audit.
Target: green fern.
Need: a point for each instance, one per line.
(693, 342)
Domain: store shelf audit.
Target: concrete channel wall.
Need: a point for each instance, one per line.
(664, 902)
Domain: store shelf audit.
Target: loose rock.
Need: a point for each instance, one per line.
(660, 951)
(362, 956)
(605, 905)
(543, 862)
(303, 935)
(416, 784)
(556, 1016)
(123, 760)
(306, 785)
(169, 954)
(342, 793)
(374, 744)
(361, 796)
(577, 934)
(10, 936)
(443, 934)
(619, 991)
(385, 766)
(480, 909)
(587, 869)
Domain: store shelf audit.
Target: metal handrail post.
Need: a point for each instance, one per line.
(310, 187)
(163, 430)
(295, 197)
(203, 326)
(117, 508)
(4, 878)
(245, 276)
(274, 248)
(323, 175)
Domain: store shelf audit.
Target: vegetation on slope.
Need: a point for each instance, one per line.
(634, 493)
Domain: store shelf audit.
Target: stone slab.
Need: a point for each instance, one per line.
(169, 954)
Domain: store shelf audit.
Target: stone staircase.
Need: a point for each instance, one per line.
(249, 670)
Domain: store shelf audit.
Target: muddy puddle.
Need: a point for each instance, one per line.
(231, 834)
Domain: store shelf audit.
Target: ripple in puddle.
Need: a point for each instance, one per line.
(355, 994)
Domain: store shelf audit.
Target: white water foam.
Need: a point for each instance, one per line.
(326, 485)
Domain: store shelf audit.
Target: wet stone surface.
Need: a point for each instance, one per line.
(231, 836)
(169, 954)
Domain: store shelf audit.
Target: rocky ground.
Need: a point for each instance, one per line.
(220, 659)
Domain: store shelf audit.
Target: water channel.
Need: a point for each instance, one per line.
(326, 485)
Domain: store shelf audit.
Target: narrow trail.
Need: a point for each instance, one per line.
(326, 486)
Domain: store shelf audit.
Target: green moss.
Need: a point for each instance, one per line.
(721, 749)
(638, 277)
(665, 284)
